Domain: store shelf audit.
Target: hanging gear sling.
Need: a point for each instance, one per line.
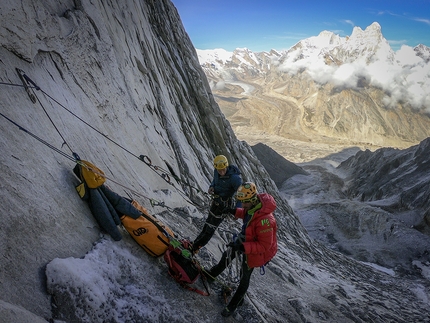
(182, 266)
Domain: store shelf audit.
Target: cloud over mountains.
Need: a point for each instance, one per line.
(349, 62)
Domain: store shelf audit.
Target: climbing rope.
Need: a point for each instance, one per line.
(30, 86)
(236, 268)
(39, 139)
(75, 158)
(164, 173)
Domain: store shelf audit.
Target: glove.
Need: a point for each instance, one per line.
(236, 246)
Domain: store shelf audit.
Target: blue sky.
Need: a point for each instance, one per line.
(276, 24)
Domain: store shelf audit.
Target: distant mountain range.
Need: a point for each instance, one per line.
(325, 89)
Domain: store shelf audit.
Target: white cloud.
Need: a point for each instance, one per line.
(426, 21)
(406, 56)
(346, 75)
(406, 79)
(220, 85)
(350, 22)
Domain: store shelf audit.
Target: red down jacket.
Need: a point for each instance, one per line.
(260, 243)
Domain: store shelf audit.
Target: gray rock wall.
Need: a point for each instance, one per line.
(111, 76)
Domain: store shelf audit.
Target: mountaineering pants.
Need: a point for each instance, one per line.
(245, 278)
(214, 219)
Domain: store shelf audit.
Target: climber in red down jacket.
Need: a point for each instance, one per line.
(257, 240)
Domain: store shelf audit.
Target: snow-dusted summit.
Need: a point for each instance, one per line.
(351, 90)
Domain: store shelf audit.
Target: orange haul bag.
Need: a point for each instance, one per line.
(150, 233)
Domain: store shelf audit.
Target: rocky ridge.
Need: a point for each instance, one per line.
(372, 206)
(327, 90)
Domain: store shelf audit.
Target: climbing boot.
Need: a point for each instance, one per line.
(226, 312)
(209, 277)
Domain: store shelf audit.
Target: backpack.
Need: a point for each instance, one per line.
(92, 175)
(182, 267)
(150, 233)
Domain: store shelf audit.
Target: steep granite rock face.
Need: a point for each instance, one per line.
(119, 80)
(116, 80)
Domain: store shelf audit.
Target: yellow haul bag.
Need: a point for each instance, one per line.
(150, 233)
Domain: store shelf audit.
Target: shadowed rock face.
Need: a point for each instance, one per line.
(277, 166)
(129, 70)
(373, 206)
(395, 180)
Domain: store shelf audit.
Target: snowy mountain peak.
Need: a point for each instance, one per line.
(370, 39)
(325, 39)
(246, 56)
(423, 52)
(214, 57)
(342, 61)
(366, 46)
(372, 32)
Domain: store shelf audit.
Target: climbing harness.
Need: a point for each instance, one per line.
(218, 200)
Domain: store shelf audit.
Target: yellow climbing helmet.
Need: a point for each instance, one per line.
(220, 162)
(247, 192)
